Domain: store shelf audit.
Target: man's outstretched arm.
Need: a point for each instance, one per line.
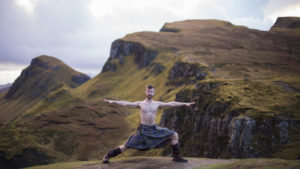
(123, 103)
(175, 104)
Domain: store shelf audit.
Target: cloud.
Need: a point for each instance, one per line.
(276, 8)
(11, 66)
(9, 71)
(80, 32)
(28, 5)
(9, 76)
(254, 23)
(270, 10)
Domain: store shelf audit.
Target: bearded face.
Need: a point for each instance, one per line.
(149, 93)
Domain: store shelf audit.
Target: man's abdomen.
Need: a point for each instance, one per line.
(148, 118)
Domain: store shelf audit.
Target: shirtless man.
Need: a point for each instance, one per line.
(149, 135)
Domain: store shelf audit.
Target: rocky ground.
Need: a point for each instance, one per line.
(154, 163)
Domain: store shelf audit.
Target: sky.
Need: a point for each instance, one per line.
(80, 32)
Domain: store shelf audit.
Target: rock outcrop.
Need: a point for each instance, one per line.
(216, 129)
(185, 73)
(28, 157)
(287, 22)
(120, 49)
(165, 28)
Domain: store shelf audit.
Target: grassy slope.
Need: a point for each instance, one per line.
(223, 62)
(35, 85)
(128, 84)
(60, 98)
(80, 132)
(67, 96)
(261, 91)
(261, 74)
(250, 79)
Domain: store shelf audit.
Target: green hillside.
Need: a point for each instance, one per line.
(256, 74)
(44, 75)
(245, 84)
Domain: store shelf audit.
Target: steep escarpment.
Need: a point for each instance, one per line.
(286, 25)
(245, 83)
(287, 22)
(223, 129)
(120, 49)
(186, 73)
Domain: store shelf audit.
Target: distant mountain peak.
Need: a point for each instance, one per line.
(45, 61)
(44, 75)
(49, 71)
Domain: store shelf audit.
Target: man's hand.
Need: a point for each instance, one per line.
(189, 104)
(107, 101)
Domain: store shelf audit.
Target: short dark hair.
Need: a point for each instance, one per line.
(149, 86)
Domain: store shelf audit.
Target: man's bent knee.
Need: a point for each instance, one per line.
(123, 148)
(175, 135)
(174, 138)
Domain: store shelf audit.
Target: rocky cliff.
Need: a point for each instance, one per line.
(216, 129)
(120, 49)
(287, 22)
(241, 106)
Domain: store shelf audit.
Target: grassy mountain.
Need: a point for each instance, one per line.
(45, 74)
(245, 84)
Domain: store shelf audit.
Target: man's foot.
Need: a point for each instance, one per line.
(179, 159)
(105, 160)
(176, 154)
(111, 153)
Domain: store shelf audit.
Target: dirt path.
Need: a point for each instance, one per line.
(154, 163)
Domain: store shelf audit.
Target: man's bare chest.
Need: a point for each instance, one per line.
(149, 107)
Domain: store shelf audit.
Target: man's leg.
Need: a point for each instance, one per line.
(176, 150)
(123, 148)
(114, 152)
(174, 138)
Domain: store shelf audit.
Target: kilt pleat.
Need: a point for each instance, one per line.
(149, 137)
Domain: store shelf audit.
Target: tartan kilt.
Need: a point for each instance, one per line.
(149, 137)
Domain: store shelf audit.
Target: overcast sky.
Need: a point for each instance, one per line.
(80, 32)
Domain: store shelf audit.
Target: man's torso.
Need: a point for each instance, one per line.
(148, 112)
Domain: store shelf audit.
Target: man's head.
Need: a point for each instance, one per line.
(149, 91)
